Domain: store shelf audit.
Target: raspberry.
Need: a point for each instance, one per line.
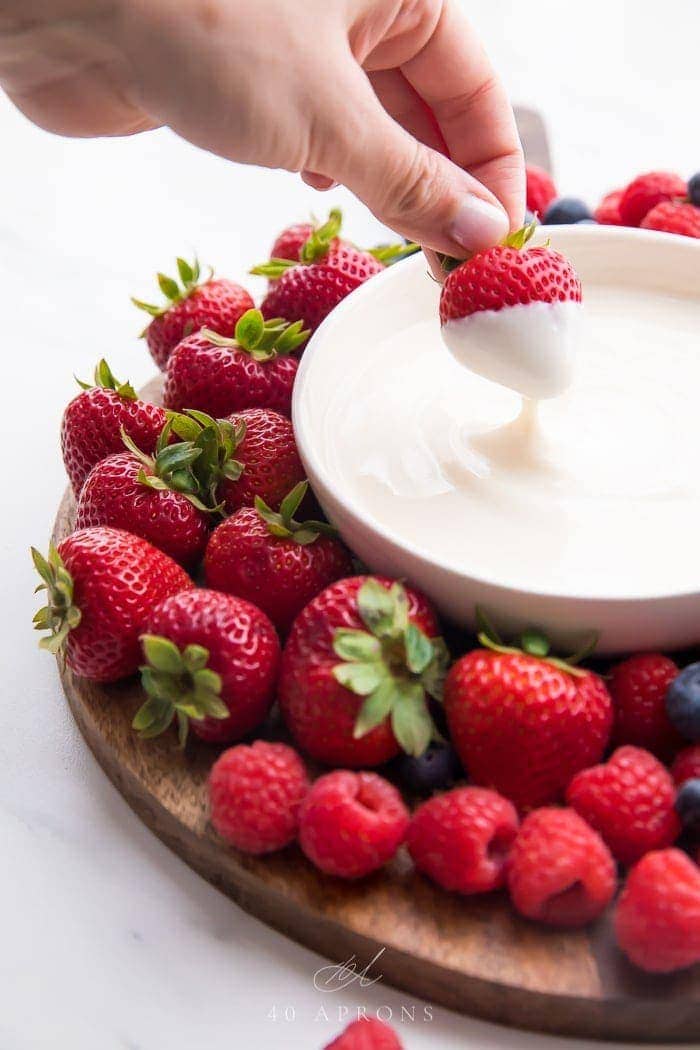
(674, 217)
(559, 869)
(461, 839)
(646, 191)
(629, 801)
(352, 823)
(366, 1034)
(638, 688)
(657, 920)
(608, 211)
(686, 765)
(541, 190)
(254, 795)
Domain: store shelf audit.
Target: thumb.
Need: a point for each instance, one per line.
(410, 188)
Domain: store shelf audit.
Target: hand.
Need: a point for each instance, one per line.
(374, 94)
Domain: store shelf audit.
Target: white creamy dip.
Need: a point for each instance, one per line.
(595, 492)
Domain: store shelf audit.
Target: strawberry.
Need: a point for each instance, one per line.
(151, 496)
(211, 663)
(608, 211)
(648, 190)
(289, 243)
(509, 274)
(273, 560)
(253, 453)
(673, 217)
(327, 271)
(541, 190)
(92, 424)
(216, 304)
(218, 375)
(358, 667)
(102, 583)
(522, 721)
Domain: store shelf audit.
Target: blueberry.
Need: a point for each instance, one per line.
(437, 769)
(530, 217)
(586, 222)
(566, 209)
(683, 702)
(688, 805)
(694, 188)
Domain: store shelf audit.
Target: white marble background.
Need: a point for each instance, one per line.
(107, 939)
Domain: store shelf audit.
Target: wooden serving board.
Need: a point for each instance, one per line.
(471, 955)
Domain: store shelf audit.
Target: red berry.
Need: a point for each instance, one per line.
(674, 217)
(523, 726)
(367, 1033)
(219, 375)
(559, 869)
(271, 462)
(638, 689)
(461, 839)
(310, 291)
(345, 645)
(113, 495)
(541, 190)
(608, 211)
(686, 765)
(352, 824)
(241, 648)
(102, 584)
(630, 801)
(278, 572)
(92, 424)
(255, 794)
(217, 304)
(505, 276)
(290, 241)
(657, 920)
(648, 190)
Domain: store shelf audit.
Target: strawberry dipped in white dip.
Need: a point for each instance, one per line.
(511, 314)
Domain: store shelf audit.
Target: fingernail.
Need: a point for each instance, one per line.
(478, 224)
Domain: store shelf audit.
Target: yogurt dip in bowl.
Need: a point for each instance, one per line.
(576, 513)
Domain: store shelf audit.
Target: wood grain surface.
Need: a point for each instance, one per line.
(472, 955)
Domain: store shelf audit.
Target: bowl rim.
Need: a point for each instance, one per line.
(324, 478)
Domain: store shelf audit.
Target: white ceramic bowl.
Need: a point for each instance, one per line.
(403, 296)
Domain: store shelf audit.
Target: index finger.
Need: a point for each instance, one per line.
(454, 76)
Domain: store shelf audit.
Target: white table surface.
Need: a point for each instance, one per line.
(108, 940)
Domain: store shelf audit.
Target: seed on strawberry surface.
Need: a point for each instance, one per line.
(273, 560)
(190, 305)
(211, 665)
(560, 871)
(102, 584)
(461, 839)
(255, 793)
(352, 824)
(92, 424)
